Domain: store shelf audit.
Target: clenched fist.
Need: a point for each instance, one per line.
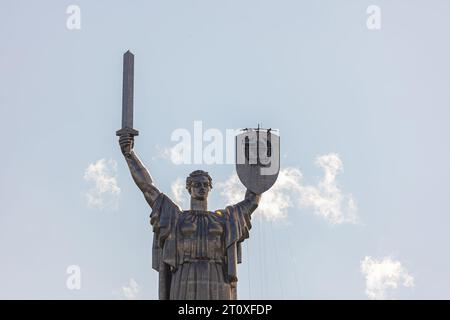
(126, 144)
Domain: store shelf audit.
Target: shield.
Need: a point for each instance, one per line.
(258, 158)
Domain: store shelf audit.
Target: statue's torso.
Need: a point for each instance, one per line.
(201, 258)
(196, 252)
(201, 236)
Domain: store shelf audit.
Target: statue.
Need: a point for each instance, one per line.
(195, 251)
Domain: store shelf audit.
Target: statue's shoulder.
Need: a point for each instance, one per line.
(165, 201)
(221, 214)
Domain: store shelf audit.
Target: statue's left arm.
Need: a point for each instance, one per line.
(251, 201)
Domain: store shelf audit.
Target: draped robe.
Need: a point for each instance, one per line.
(196, 252)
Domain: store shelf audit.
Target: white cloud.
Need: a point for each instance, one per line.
(131, 290)
(274, 202)
(179, 192)
(326, 199)
(278, 199)
(384, 275)
(104, 194)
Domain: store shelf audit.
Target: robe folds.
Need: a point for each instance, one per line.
(196, 252)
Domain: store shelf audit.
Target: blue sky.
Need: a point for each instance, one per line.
(378, 99)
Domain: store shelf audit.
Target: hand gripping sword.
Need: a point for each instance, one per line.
(127, 97)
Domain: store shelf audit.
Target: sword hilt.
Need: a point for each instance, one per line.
(127, 132)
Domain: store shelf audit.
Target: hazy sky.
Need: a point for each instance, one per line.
(361, 206)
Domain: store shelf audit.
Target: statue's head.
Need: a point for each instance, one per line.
(199, 183)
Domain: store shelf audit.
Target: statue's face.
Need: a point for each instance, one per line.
(200, 188)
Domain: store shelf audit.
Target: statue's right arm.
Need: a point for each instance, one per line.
(138, 171)
(142, 178)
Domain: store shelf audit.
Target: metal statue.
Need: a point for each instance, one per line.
(196, 251)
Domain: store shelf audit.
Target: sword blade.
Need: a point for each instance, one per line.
(127, 90)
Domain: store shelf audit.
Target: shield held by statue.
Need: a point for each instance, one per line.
(258, 158)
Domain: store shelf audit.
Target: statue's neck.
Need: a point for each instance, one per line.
(201, 205)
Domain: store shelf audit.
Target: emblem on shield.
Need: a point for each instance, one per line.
(258, 158)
